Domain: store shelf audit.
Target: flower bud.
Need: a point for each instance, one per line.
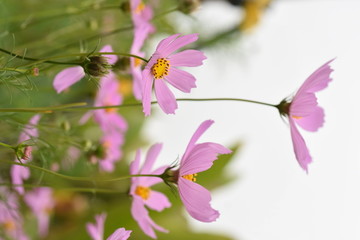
(97, 66)
(125, 7)
(188, 6)
(35, 71)
(284, 107)
(23, 152)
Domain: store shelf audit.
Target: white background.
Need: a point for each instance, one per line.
(273, 197)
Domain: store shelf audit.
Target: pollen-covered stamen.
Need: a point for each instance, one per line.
(190, 177)
(139, 8)
(160, 68)
(9, 225)
(143, 192)
(296, 117)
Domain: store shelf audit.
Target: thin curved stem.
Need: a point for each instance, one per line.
(6, 145)
(74, 106)
(49, 60)
(73, 178)
(44, 109)
(36, 59)
(74, 189)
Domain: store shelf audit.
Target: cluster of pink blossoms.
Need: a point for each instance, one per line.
(162, 70)
(198, 157)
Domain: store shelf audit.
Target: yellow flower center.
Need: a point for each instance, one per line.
(143, 192)
(125, 87)
(296, 117)
(160, 68)
(9, 225)
(109, 110)
(139, 8)
(190, 177)
(138, 62)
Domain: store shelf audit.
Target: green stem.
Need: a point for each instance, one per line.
(73, 107)
(36, 59)
(165, 13)
(44, 109)
(74, 189)
(49, 60)
(222, 99)
(178, 99)
(6, 145)
(73, 178)
(13, 70)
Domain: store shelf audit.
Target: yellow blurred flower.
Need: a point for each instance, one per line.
(253, 10)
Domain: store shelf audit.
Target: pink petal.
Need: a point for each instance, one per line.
(201, 157)
(157, 201)
(165, 42)
(111, 59)
(96, 231)
(318, 80)
(30, 129)
(303, 105)
(68, 77)
(148, 83)
(187, 58)
(18, 175)
(151, 156)
(201, 129)
(120, 234)
(165, 97)
(196, 200)
(313, 121)
(301, 151)
(177, 43)
(135, 165)
(180, 79)
(43, 224)
(141, 215)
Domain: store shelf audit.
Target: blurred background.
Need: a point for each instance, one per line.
(259, 50)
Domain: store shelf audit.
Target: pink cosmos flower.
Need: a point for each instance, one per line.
(19, 173)
(96, 231)
(10, 217)
(141, 15)
(143, 195)
(69, 76)
(198, 157)
(304, 111)
(41, 202)
(162, 69)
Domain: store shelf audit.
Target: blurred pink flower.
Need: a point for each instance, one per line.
(109, 119)
(69, 76)
(41, 202)
(161, 69)
(10, 217)
(19, 173)
(112, 153)
(143, 195)
(198, 158)
(141, 15)
(96, 231)
(304, 111)
(112, 124)
(140, 34)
